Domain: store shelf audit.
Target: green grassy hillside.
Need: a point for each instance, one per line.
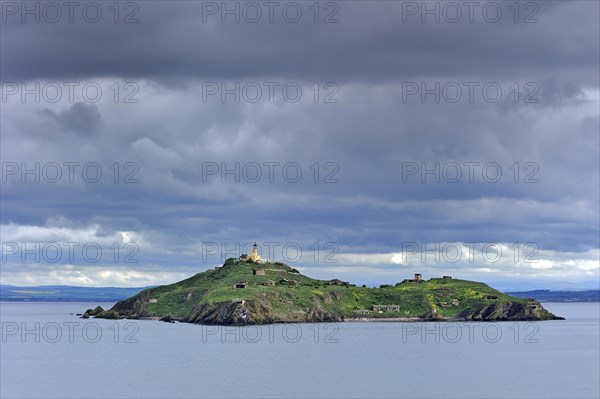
(210, 298)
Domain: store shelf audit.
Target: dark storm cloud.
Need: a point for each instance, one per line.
(369, 43)
(80, 118)
(369, 145)
(370, 134)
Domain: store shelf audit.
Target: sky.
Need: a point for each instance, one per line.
(362, 140)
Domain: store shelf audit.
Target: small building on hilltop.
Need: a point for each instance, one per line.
(254, 257)
(418, 278)
(258, 272)
(269, 283)
(241, 285)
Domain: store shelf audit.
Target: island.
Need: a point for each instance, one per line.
(247, 290)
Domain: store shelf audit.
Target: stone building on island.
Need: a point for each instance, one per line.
(418, 278)
(255, 257)
(386, 308)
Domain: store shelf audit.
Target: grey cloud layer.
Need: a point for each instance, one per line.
(369, 134)
(370, 43)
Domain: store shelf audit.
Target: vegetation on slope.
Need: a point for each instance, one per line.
(210, 298)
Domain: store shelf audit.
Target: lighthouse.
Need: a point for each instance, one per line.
(255, 257)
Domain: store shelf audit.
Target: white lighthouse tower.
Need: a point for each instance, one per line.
(255, 257)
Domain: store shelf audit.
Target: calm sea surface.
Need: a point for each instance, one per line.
(47, 352)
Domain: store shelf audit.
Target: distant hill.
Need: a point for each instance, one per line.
(66, 293)
(243, 292)
(559, 296)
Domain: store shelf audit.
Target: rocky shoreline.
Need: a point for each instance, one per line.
(234, 314)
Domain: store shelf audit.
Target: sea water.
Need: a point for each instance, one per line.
(47, 351)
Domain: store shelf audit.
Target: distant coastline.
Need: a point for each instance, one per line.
(66, 293)
(559, 296)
